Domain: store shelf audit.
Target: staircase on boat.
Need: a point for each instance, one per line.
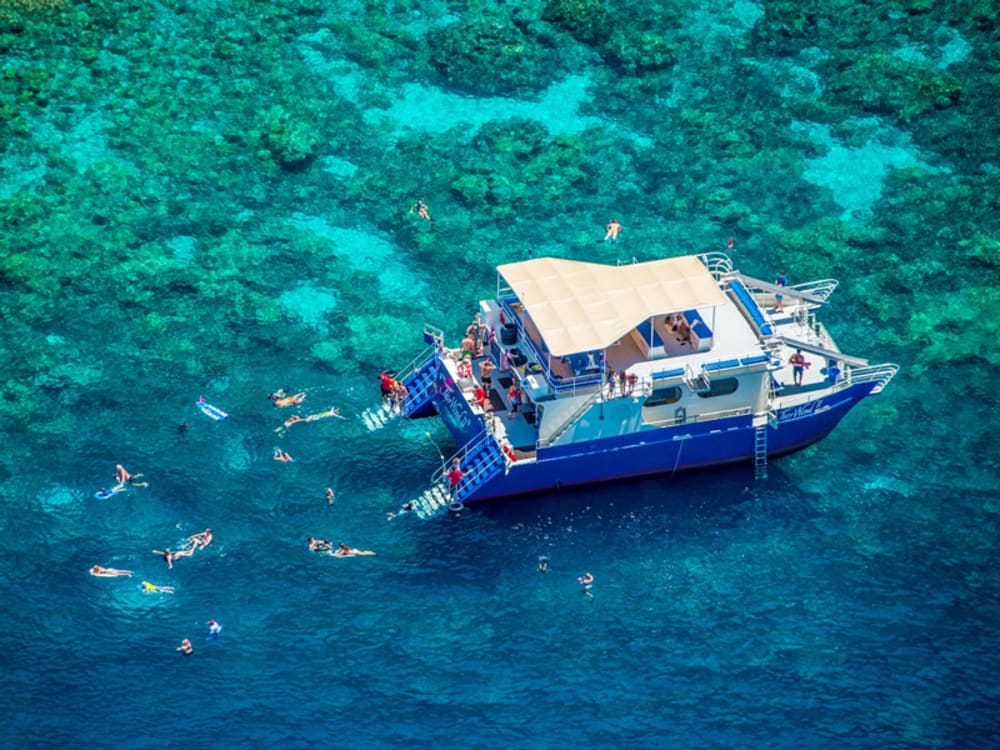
(480, 459)
(418, 377)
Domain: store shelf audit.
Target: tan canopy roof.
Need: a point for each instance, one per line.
(580, 306)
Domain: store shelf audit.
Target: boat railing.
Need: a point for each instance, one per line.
(708, 416)
(881, 374)
(821, 288)
(479, 471)
(562, 386)
(718, 264)
(569, 421)
(434, 337)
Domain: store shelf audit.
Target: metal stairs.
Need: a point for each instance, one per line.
(419, 382)
(699, 382)
(480, 460)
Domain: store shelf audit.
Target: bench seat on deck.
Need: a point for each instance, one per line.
(701, 334)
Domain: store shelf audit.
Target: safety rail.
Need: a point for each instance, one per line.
(699, 381)
(474, 472)
(881, 374)
(558, 385)
(718, 264)
(708, 416)
(434, 337)
(815, 292)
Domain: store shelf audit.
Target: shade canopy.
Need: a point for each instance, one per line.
(579, 307)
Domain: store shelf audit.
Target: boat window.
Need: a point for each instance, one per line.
(722, 387)
(661, 396)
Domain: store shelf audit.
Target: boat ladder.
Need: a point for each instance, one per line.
(419, 381)
(760, 451)
(480, 459)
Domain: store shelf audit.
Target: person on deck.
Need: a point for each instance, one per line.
(798, 363)
(780, 281)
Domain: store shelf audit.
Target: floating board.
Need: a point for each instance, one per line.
(104, 494)
(213, 412)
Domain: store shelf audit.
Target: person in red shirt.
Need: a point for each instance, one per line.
(455, 477)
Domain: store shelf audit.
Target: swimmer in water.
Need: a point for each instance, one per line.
(200, 540)
(214, 629)
(543, 564)
(123, 477)
(586, 580)
(280, 399)
(283, 456)
(171, 556)
(421, 208)
(104, 493)
(329, 495)
(186, 648)
(100, 572)
(613, 229)
(344, 551)
(320, 545)
(404, 508)
(333, 411)
(153, 588)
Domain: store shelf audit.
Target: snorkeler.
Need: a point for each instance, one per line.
(404, 508)
(100, 572)
(280, 399)
(344, 551)
(283, 456)
(104, 493)
(123, 477)
(333, 411)
(200, 540)
(186, 648)
(586, 580)
(613, 229)
(153, 588)
(421, 208)
(320, 545)
(171, 556)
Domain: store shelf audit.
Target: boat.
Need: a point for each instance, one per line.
(626, 370)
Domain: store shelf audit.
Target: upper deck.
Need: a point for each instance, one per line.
(578, 321)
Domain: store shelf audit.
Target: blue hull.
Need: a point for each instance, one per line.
(654, 451)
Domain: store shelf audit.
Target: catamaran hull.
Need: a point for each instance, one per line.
(665, 450)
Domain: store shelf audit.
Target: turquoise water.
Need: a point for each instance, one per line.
(213, 200)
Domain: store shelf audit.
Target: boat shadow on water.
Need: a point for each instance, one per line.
(719, 489)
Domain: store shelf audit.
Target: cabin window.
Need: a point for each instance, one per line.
(661, 396)
(721, 387)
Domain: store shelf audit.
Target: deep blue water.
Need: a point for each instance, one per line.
(849, 600)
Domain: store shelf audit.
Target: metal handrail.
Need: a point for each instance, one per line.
(881, 374)
(718, 264)
(705, 416)
(468, 483)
